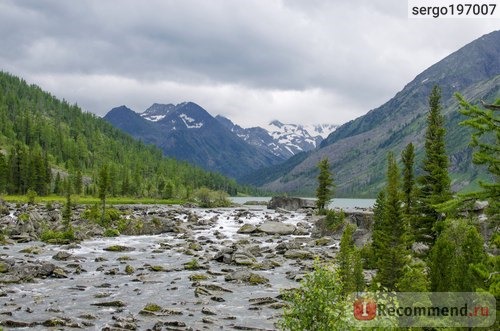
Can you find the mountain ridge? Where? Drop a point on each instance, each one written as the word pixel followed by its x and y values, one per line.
pixel 357 149
pixel 188 132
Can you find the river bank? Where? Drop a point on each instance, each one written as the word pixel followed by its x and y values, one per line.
pixel 204 269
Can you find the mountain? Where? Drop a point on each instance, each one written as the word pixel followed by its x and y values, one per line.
pixel 188 132
pixel 45 141
pixel 357 150
pixel 282 140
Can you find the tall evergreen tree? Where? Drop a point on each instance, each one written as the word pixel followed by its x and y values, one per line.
pixel 4 174
pixel 349 262
pixel 391 235
pixel 324 192
pixel 486 140
pixel 103 183
pixel 434 184
pixel 378 225
pixel 408 185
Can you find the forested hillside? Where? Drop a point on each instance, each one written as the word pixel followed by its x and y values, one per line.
pixel 45 141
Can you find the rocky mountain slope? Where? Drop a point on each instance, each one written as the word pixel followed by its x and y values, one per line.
pixel 188 132
pixel 357 150
pixel 283 140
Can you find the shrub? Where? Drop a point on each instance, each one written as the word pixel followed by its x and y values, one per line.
pixel 334 220
pixel 318 303
pixel 207 198
pixel 58 237
pixel 31 195
pixel 110 232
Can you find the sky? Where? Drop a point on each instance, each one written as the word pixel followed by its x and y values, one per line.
pixel 253 61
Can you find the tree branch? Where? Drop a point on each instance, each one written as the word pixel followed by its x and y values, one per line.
pixel 492 107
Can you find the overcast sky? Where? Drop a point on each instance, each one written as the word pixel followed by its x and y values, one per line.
pixel 299 61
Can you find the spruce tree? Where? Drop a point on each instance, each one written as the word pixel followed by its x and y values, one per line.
pixel 378 219
pixel 434 184
pixel 4 175
pixel 103 188
pixel 391 232
pixel 486 140
pixel 408 185
pixel 349 262
pixel 324 192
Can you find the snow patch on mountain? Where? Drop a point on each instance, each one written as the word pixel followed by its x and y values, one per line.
pixel 190 122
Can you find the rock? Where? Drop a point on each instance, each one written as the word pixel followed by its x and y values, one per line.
pixel 262 301
pixel 323 241
pixel 246 277
pixel 298 254
pixel 480 205
pixel 118 248
pixel 247 228
pixel 272 227
pixel 4 267
pixel 116 303
pixel 46 269
pixel 59 273
pixel 208 311
pixel 61 256
pixel 419 248
pixel 290 203
pixel 242 257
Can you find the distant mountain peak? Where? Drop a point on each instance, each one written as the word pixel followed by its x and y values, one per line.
pixel 282 140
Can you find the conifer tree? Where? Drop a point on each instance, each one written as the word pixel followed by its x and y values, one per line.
pixel 434 184
pixel 324 192
pixel 3 174
pixel 486 140
pixel 378 219
pixel 391 236
pixel 458 248
pixel 103 188
pixel 349 262
pixel 408 185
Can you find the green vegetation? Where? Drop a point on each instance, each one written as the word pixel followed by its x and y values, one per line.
pixel 207 198
pixel 192 265
pixel 434 184
pixel 349 263
pixel 450 254
pixel 45 142
pixel 324 192
pixel 390 230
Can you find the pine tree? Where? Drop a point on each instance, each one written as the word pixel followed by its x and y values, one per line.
pixel 324 192
pixel 486 140
pixel 434 184
pixel 390 239
pixel 103 188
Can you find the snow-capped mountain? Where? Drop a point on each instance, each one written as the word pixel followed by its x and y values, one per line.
pixel 188 132
pixel 283 140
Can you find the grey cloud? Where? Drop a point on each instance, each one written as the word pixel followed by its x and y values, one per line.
pixel 357 53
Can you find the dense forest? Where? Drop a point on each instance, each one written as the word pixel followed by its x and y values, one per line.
pixel 46 143
pixel 426 241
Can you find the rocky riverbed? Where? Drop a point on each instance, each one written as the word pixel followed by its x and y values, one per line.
pixel 190 269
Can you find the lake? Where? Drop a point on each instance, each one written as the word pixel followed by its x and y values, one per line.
pixel 335 203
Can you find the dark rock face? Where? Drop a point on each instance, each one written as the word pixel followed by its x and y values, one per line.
pixel 289 203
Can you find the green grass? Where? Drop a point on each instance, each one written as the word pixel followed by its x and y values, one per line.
pixel 88 200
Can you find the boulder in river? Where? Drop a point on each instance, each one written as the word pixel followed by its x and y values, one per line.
pixel 290 203
pixel 272 227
